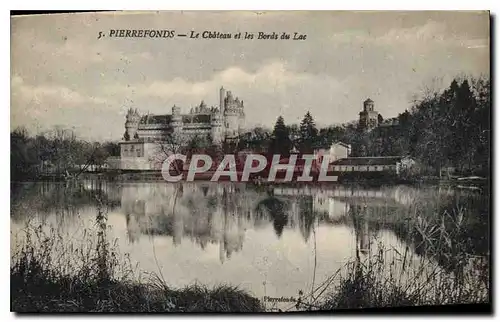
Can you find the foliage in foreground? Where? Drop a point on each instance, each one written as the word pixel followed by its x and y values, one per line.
pixel 49 275
pixel 40 291
pixel 445 272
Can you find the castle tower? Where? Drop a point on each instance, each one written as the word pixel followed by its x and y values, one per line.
pixel 368 118
pixel 176 119
pixel 216 126
pixel 231 116
pixel 132 123
pixel 241 118
pixel 222 96
pixel 368 105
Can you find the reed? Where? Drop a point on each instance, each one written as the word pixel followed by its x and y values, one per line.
pixel 49 275
pixel 445 271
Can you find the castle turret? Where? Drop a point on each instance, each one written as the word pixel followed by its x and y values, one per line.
pixel 222 96
pixel 176 119
pixel 132 124
pixel 203 107
pixel 241 118
pixel 216 121
pixel 231 115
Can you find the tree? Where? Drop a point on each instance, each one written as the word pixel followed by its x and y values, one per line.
pixel 482 120
pixel 255 140
pixel 380 119
pixel 23 158
pixel 99 155
pixel 331 134
pixel 196 143
pixel 64 149
pixel 112 149
pixel 308 134
pixel 448 128
pixel 280 142
pixel 170 145
pixel 294 134
pixel 58 151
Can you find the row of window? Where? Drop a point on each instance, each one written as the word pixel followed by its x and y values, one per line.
pixel 131 152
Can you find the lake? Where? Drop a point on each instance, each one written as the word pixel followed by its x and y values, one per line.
pixel 272 241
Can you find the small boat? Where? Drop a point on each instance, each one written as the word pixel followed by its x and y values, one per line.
pixel 471 178
pixel 471 182
pixel 468 187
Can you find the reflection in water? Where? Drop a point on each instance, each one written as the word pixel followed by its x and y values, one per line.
pixel 276 209
pixel 210 213
pixel 358 215
pixel 63 200
pixel 234 233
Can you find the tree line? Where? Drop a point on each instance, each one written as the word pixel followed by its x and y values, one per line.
pixel 58 152
pixel 449 128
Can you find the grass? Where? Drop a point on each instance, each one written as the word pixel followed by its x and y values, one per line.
pixel 445 270
pixel 367 284
pixel 41 291
pixel 50 275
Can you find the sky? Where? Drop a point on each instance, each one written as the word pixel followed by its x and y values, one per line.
pixel 63 75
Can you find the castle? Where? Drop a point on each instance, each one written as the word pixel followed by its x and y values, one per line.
pixel 146 134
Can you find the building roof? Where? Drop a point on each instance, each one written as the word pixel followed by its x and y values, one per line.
pixel 329 145
pixel 343 144
pixel 368 161
pixel 167 118
pixel 156 119
pixel 319 146
pixel 369 100
pixel 196 118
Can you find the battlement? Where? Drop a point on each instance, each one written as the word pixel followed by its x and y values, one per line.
pixel 231 103
pixel 204 109
pixel 133 116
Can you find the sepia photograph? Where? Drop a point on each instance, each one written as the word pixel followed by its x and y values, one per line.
pixel 250 161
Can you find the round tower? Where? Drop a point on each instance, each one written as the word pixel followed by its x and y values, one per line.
pixel 176 119
pixel 216 125
pixel 231 116
pixel 132 123
pixel 241 118
pixel 222 96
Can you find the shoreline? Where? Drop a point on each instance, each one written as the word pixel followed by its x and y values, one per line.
pixel 156 176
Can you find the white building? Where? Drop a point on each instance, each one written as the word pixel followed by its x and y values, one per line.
pixel 336 151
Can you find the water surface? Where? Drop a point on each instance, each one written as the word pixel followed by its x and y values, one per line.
pixel 270 241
